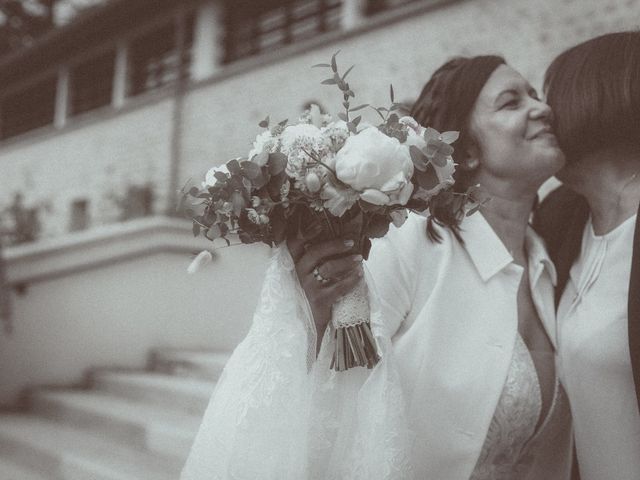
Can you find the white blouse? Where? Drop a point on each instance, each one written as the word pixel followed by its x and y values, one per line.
pixel 594 362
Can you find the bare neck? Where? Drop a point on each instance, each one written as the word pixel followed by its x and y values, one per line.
pixel 610 182
pixel 509 215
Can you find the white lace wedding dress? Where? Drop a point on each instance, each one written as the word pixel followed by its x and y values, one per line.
pixel 279 413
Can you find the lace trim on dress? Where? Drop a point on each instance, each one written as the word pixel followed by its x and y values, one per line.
pixel 514 421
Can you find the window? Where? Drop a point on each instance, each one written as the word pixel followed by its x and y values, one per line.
pixel 137 202
pixel 377 6
pixel 29 108
pixel 79 215
pixel 154 57
pixel 255 27
pixel 91 83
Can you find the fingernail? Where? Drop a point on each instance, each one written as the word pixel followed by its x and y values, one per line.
pixel 349 243
pixel 357 258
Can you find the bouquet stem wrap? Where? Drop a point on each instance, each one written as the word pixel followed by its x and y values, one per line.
pixel 354 342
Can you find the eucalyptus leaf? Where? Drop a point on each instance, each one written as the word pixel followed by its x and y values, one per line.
pixel 213 232
pixel 320 65
pixel 347 72
pixel 234 167
pixel 334 65
pixel 221 177
pixel 359 107
pixel 418 157
pixel 250 169
pixel 449 137
pixel 277 163
pixel 427 179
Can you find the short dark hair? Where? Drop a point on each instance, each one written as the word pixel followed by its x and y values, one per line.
pixel 594 92
pixel 446 103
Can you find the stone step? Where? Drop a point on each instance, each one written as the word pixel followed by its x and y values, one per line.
pixel 190 395
pixel 59 452
pixel 12 471
pixel 202 364
pixel 160 430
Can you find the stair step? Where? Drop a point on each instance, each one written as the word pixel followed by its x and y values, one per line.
pixel 203 364
pixel 58 451
pixel 190 395
pixel 163 431
pixel 12 471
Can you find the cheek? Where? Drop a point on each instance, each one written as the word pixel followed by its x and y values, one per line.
pixel 502 139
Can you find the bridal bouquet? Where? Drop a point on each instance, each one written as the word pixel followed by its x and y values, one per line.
pixel 352 178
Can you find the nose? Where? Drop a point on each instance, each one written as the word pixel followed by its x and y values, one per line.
pixel 540 110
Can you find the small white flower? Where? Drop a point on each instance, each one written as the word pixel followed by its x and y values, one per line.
pixel 264 142
pixel 253 216
pixel 202 259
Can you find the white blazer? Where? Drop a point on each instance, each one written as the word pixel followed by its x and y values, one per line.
pixel 451 311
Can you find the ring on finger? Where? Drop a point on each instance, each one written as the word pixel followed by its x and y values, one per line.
pixel 316 274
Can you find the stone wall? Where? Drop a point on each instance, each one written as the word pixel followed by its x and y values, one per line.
pixel 99 155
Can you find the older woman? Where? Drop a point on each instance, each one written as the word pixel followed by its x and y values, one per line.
pixel 470 311
pixel 593 235
pixel 463 314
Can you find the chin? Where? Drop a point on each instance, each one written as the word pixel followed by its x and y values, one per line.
pixel 553 161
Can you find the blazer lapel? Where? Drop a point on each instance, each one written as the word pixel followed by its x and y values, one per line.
pixel 634 309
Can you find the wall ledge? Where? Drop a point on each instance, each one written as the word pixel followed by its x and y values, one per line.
pixel 101 246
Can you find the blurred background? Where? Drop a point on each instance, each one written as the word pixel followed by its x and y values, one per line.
pixel 108 349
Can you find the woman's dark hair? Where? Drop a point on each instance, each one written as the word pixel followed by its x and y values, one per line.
pixel 594 92
pixel 446 103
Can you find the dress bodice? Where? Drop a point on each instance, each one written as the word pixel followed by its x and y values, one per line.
pixel 504 454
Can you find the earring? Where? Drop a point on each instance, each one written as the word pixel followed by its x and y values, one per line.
pixel 471 163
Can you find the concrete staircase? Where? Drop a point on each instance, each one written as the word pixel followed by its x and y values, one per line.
pixel 128 425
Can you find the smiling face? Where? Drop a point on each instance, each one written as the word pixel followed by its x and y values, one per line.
pixel 515 148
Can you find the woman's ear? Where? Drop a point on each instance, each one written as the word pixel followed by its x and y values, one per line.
pixel 471 160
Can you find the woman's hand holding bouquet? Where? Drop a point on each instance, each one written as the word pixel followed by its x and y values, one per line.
pixel 327 187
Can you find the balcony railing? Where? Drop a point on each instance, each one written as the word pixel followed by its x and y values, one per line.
pixel 255 27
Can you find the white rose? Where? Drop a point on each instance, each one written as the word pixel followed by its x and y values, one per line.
pixel 373 161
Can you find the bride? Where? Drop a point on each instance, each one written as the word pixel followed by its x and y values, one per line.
pixel 463 317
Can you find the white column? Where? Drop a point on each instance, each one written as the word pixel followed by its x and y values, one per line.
pixel 62 97
pixel 207 48
pixel 120 72
pixel 353 13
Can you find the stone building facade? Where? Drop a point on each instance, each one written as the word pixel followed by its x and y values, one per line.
pixel 108 117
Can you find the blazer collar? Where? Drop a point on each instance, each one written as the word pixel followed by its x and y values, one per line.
pixel 490 256
pixel 487 252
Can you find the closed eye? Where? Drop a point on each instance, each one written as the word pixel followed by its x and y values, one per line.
pixel 512 103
